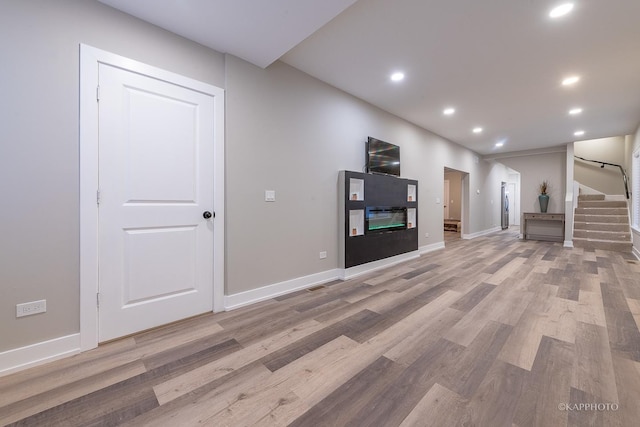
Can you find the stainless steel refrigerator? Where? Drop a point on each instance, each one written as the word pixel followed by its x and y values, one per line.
pixel 504 208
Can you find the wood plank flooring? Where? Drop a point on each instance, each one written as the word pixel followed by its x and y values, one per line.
pixel 495 331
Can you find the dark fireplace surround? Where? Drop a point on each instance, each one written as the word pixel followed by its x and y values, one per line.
pixel 388 230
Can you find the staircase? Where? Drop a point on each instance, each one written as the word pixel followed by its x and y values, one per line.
pixel 601 224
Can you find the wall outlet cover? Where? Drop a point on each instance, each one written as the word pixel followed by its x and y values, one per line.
pixel 29 308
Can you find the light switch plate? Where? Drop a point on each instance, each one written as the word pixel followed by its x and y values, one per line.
pixel 269 196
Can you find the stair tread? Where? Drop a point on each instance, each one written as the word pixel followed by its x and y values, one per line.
pixel 602 223
pixel 608 220
pixel 595 225
pixel 622 239
pixel 603 209
pixel 603 240
pixel 613 228
pixel 593 230
pixel 603 203
pixel 601 215
pixel 591 222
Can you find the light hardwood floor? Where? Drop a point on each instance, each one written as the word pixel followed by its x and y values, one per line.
pixel 489 332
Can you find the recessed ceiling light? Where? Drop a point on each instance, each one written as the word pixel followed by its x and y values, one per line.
pixel 449 111
pixel 570 80
pixel 575 111
pixel 499 144
pixel 578 133
pixel 477 130
pixel 396 77
pixel 561 10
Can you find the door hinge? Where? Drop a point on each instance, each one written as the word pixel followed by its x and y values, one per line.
pixel 98 93
pixel 98 299
pixel 98 197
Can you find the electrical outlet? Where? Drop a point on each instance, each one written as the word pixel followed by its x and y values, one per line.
pixel 323 254
pixel 29 308
pixel 426 235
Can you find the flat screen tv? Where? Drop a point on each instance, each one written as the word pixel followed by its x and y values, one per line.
pixel 382 157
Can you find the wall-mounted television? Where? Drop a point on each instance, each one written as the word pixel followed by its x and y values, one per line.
pixel 382 157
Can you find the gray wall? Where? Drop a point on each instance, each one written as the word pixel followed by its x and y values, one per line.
pixel 534 168
pixel 39 178
pixel 607 180
pixel 291 133
pixel 286 131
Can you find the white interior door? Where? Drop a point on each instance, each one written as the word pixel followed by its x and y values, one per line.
pixel 446 199
pixel 156 180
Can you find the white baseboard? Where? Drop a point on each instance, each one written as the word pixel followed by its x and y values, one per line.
pixel 430 248
pixel 635 252
pixel 351 272
pixel 568 243
pixel 242 299
pixel 263 293
pixel 481 233
pixel 38 354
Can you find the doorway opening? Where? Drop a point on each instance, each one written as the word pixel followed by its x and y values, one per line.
pixel 454 215
pixel 510 214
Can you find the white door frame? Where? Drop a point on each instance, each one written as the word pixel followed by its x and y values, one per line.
pixel 90 57
pixel 514 208
pixel 447 200
pixel 464 204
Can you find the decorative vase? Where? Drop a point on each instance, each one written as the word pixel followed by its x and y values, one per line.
pixel 544 202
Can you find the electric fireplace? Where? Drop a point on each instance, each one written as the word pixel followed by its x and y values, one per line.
pixel 385 218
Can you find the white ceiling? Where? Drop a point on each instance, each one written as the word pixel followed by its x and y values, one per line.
pixel 498 62
pixel 258 31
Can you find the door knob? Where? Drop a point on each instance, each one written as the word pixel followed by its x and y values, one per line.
pixel 207 215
